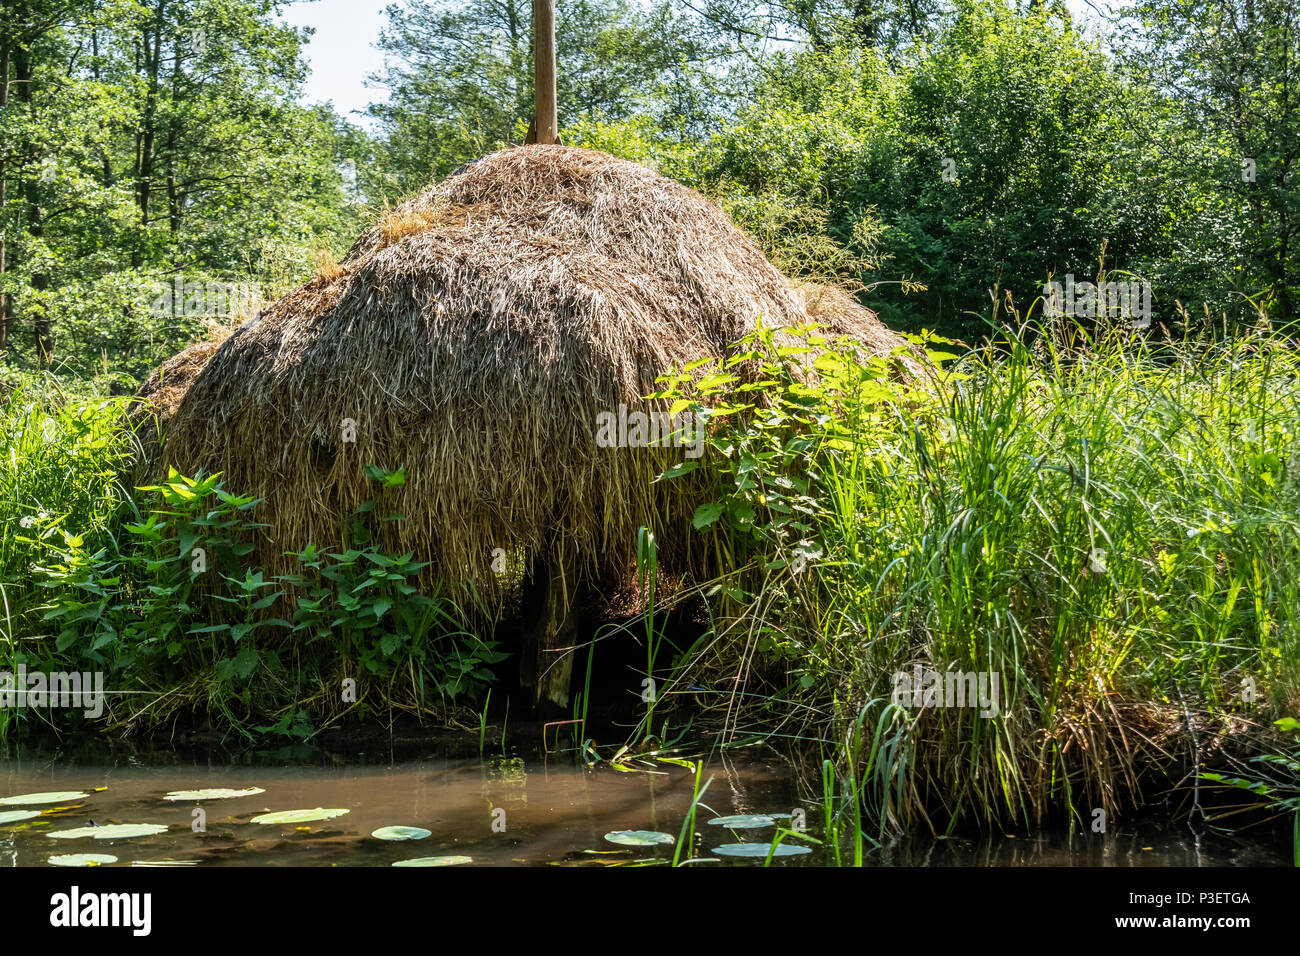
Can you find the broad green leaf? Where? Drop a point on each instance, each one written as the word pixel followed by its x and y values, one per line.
pixel 684 468
pixel 705 515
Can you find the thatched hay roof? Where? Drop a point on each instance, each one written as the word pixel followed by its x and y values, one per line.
pixel 472 335
pixel 162 392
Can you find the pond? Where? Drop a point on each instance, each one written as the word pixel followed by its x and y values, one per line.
pixel 521 807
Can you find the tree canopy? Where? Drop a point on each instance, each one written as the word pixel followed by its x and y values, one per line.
pixel 928 153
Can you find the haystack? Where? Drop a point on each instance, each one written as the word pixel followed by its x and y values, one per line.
pixel 471 337
pixel 161 393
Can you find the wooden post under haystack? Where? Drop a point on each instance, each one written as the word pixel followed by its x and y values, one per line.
pixel 551 612
pixel 551 584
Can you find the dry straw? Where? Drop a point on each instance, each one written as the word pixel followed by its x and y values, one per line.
pixel 473 335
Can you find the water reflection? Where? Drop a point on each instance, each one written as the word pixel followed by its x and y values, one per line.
pixel 518 808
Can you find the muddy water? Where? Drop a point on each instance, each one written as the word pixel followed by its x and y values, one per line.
pixel 511 809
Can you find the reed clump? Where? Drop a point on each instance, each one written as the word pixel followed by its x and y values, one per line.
pixel 1105 525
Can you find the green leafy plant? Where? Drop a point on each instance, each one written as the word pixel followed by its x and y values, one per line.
pixel 1278 782
pixel 171 598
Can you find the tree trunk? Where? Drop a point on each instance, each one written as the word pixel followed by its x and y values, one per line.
pixel 145 137
pixel 864 22
pixel 1280 261
pixel 94 49
pixel 40 280
pixel 520 51
pixel 4 184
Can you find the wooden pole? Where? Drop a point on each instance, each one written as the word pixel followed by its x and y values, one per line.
pixel 547 119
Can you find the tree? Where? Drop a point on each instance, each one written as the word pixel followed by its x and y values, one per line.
pixel 1233 69
pixel 884 25
pixel 460 75
pixel 147 138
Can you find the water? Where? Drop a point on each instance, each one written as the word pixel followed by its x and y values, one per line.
pixel 515 809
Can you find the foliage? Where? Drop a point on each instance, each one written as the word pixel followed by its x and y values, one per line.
pixel 170 601
pixel 460 77
pixel 1276 780
pixel 1098 521
pixel 142 143
pixel 60 461
pixel 1231 67
pixel 935 153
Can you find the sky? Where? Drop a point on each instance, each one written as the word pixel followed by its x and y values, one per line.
pixel 343 52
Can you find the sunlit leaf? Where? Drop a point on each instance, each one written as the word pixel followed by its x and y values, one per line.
pixel 82 859
pixel 744 821
pixel 52 796
pixel 164 862
pixel 14 816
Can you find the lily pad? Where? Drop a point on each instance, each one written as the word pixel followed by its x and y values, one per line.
pixel 52 796
pixel 214 794
pixel 745 821
pixel 13 816
pixel 82 859
pixel 297 816
pixel 113 831
pixel 760 850
pixel 435 861
pixel 639 837
pixel 164 862
pixel 400 833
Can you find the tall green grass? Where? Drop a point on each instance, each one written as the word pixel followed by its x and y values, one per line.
pixel 60 457
pixel 60 461
pixel 1111 526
